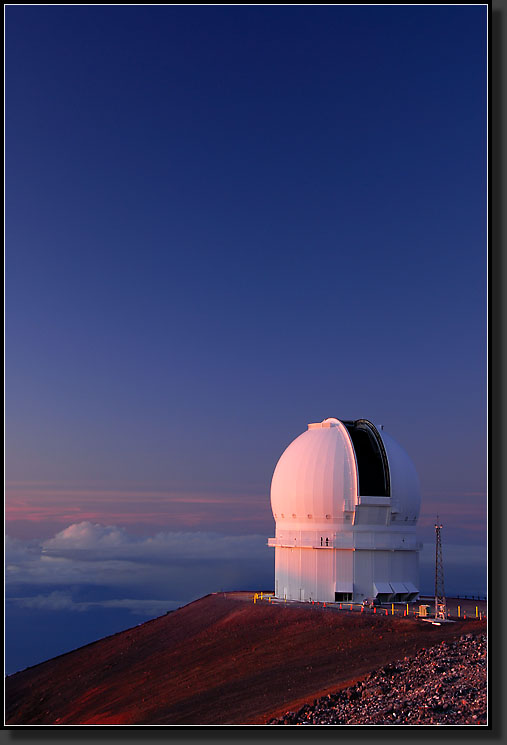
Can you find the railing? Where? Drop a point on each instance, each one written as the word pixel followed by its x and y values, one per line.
pixel 349 541
pixel 295 542
pixel 399 608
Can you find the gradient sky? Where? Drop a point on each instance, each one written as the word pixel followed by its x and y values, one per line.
pixel 224 223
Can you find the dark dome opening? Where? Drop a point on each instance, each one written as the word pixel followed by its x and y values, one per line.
pixel 373 470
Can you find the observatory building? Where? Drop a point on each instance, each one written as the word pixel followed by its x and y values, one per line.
pixel 345 498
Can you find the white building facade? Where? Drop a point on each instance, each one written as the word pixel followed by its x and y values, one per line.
pixel 345 497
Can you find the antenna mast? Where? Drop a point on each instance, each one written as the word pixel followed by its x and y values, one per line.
pixel 440 605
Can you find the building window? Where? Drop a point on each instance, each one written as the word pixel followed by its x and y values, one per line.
pixel 343 597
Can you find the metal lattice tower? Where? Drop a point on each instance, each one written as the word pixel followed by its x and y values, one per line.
pixel 440 605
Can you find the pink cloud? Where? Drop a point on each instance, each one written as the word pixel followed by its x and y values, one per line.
pixel 45 504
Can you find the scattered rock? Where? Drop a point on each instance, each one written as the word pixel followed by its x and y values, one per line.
pixel 445 684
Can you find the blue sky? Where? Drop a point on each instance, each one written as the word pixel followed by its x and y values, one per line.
pixel 224 223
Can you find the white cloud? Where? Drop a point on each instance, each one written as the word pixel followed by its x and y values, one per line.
pixel 56 600
pixel 17 550
pixel 91 554
pixel 86 535
pixel 92 542
pixel 60 600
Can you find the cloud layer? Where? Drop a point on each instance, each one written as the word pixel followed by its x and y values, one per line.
pixel 94 542
pixel 59 600
pixel 151 574
pixel 165 568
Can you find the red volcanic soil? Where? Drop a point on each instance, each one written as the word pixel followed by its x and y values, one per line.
pixel 219 660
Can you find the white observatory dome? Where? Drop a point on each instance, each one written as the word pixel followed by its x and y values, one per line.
pixel 345 498
pixel 328 469
pixel 315 476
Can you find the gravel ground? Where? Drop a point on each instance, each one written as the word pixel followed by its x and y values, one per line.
pixel 445 684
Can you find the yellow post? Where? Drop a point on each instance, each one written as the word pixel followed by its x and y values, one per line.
pixel 476 612
pixel 261 595
pixel 407 609
pixel 392 609
pixel 459 611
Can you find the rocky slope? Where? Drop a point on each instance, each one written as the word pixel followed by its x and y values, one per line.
pixel 445 684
